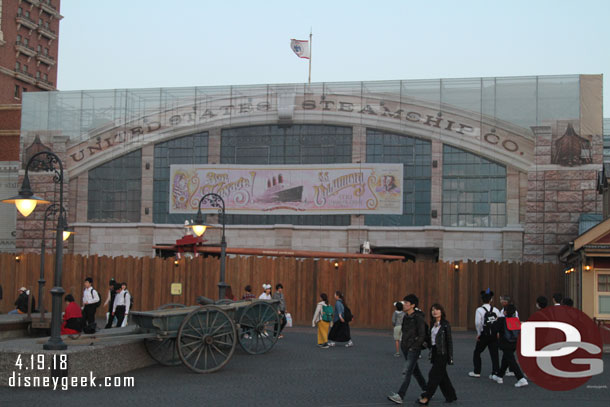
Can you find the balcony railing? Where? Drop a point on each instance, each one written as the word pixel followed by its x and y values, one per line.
pixel 25 76
pixel 47 32
pixel 49 8
pixel 25 49
pixel 32 2
pixel 47 59
pixel 27 22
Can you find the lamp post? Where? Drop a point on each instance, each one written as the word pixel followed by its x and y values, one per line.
pixel 50 211
pixel 26 203
pixel 215 201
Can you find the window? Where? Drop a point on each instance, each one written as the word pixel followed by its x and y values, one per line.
pixel 19 11
pixel 26 41
pixel 17 66
pixel 603 293
pixel 27 14
pixel 16 91
pixel 40 21
pixel 115 190
pixel 25 68
pixel 298 144
pixel 191 149
pixel 45 76
pixel 46 51
pixel 474 190
pixel 416 156
pixel 37 74
pixel 18 38
pixel 39 48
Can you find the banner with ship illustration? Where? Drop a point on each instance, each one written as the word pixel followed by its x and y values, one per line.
pixel 323 189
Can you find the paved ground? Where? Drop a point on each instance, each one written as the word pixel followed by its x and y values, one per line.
pixel 297 373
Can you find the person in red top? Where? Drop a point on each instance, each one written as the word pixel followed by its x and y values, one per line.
pixel 73 317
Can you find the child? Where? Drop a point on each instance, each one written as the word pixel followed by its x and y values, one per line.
pixel 397 317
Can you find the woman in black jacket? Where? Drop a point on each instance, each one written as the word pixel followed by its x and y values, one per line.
pixel 441 355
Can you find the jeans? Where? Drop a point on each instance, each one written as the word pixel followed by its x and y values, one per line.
pixel 15 311
pixel 411 368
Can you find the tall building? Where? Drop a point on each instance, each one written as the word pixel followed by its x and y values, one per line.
pixel 29 33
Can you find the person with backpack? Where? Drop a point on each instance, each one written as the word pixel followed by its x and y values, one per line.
pixel 113 287
pixel 413 337
pixel 323 316
pixel 279 295
pixel 484 320
pixel 441 355
pixel 397 317
pixel 343 316
pixel 91 300
pixel 508 328
pixel 122 303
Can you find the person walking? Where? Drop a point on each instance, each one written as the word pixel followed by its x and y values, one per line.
pixel 508 328
pixel 541 302
pixel 484 320
pixel 122 303
pixel 112 289
pixel 248 293
pixel 397 317
pixel 91 300
pixel 340 331
pixel 323 316
pixel 441 355
pixel 413 337
pixel 279 295
pixel 266 295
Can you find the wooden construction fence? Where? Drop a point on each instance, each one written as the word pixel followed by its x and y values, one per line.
pixel 370 286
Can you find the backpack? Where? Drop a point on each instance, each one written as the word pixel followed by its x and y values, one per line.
pixel 513 328
pixel 347 314
pixel 489 319
pixel 327 313
pixel 99 302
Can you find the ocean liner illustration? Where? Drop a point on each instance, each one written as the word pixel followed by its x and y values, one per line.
pixel 278 191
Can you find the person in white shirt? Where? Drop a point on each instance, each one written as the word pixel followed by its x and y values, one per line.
pixel 486 336
pixel 266 295
pixel 91 300
pixel 122 302
pixel 504 301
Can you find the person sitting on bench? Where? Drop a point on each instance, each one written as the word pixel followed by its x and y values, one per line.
pixel 73 318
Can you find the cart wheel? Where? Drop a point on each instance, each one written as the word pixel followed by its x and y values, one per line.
pixel 206 339
pixel 171 305
pixel 259 327
pixel 163 351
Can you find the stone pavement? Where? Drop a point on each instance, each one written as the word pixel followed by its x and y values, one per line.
pixel 296 373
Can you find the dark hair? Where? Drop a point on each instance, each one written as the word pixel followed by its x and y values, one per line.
pixel 542 301
pixel 248 288
pixel 340 295
pixel 278 286
pixel 324 298
pixel 69 298
pixel 399 306
pixel 89 279
pixel 558 297
pixel 567 301
pixel 510 310
pixel 112 282
pixel 486 296
pixel 441 309
pixel 123 284
pixel 412 298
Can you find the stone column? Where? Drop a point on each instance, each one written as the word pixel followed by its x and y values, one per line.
pixel 436 187
pixel 146 202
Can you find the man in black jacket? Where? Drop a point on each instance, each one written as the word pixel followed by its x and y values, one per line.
pixel 413 336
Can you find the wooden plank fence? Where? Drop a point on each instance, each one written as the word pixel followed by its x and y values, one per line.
pixel 370 286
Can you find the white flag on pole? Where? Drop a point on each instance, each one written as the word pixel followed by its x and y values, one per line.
pixel 301 48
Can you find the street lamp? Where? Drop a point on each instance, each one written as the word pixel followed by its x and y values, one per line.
pixel 215 201
pixel 26 203
pixel 50 211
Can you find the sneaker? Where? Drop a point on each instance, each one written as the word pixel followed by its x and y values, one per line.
pixel 330 343
pixel 521 383
pixel 349 344
pixel 395 398
pixel 509 373
pixel 397 355
pixel 473 374
pixel 324 346
pixel 497 379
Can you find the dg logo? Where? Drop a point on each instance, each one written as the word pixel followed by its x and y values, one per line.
pixel 560 348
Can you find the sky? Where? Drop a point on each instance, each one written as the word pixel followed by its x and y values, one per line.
pixel 158 43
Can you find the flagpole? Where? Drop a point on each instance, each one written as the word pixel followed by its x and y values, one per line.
pixel 310 54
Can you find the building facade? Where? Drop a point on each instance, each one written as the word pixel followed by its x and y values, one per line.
pixel 29 31
pixel 492 168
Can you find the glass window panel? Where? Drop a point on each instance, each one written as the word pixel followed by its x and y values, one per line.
pixel 604 304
